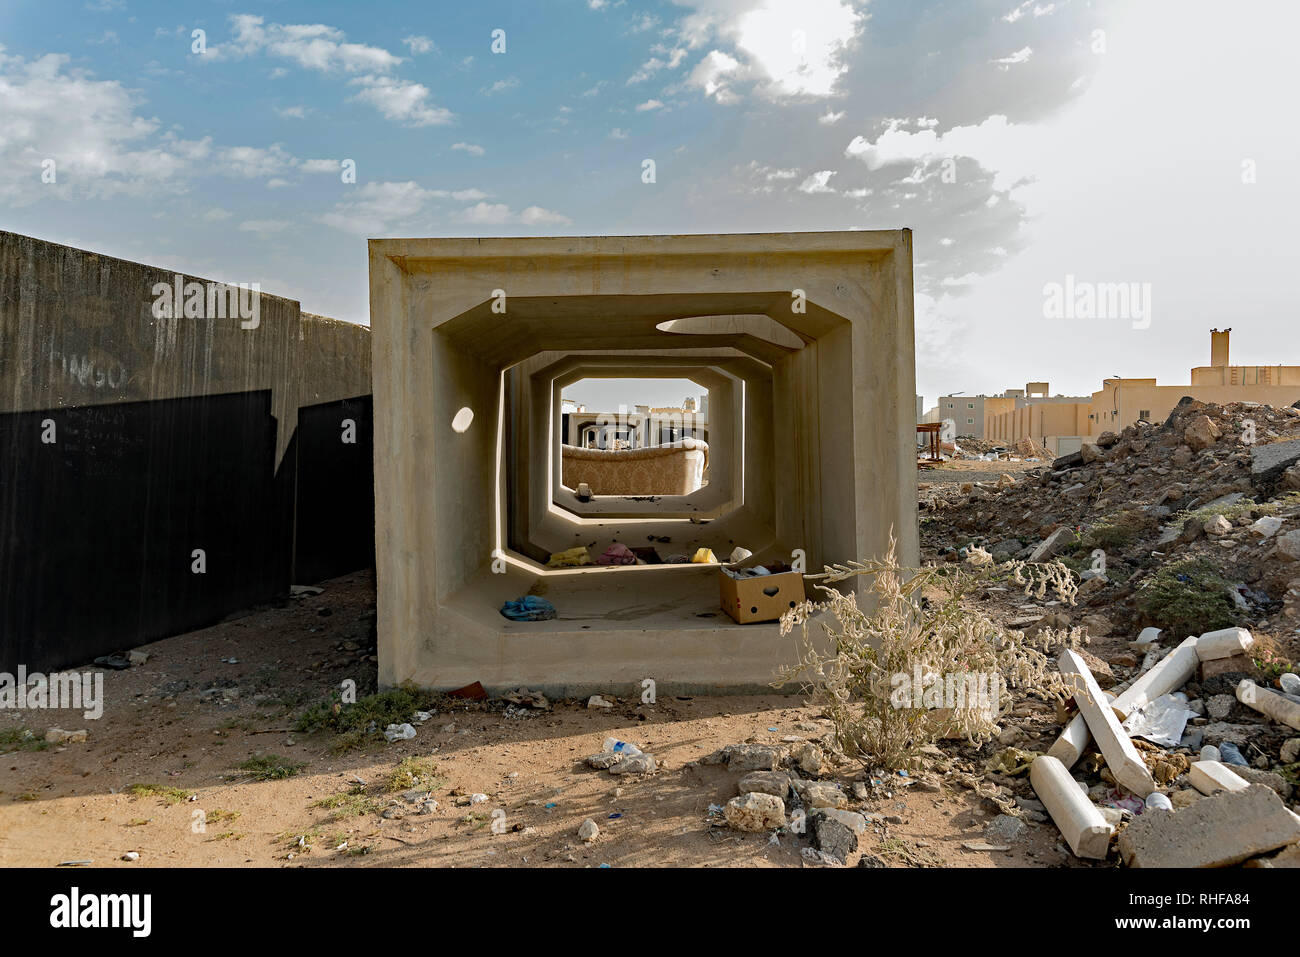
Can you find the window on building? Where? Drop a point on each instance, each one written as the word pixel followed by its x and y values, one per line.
pixel 1145 415
pixel 970 405
pixel 950 405
pixel 970 421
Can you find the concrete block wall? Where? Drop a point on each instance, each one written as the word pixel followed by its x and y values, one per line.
pixel 129 440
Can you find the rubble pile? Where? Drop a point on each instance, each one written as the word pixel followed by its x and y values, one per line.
pixel 1170 775
pixel 1209 499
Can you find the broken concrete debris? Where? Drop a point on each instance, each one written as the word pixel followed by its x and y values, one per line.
pixel 1276 706
pixel 1224 643
pixel 1217 831
pixel 1121 756
pixel 1077 818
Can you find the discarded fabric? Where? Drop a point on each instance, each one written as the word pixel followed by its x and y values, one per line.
pixel 528 608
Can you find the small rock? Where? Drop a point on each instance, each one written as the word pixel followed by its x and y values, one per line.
pixel 1219 706
pixel 833 838
pixel 765 782
pixel 588 831
pixel 755 812
pixel 1005 829
pixel 596 701
pixel 810 759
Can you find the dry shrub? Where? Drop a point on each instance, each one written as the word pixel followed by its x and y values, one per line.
pixel 919 622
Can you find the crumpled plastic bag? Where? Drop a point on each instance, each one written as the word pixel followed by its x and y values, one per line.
pixel 1160 721
pixel 528 608
pixel 399 732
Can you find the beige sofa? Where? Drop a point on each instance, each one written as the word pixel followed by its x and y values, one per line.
pixel 675 469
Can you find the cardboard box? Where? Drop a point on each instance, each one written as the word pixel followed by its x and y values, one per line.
pixel 763 598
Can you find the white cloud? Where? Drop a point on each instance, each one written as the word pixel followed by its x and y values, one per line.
pixel 1038 9
pixel 1020 56
pixel 293 112
pixel 401 101
pixel 89 129
pixel 252 162
pixel 473 149
pixel 419 44
pixel 320 166
pixel 313 46
pixel 817 182
pixel 995 144
pixel 618 134
pixel 499 214
pixel 378 207
pixel 830 118
pixel 500 86
pixel 649 105
pixel 790 48
pixel 712 75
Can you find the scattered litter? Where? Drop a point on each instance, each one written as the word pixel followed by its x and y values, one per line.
pixel 399 732
pixel 617 554
pixel 1160 721
pixel 529 608
pixel 569 558
pixel 596 701
pixel 1229 754
pixel 474 692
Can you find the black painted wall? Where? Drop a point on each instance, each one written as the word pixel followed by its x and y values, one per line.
pixel 98 526
pixel 335 500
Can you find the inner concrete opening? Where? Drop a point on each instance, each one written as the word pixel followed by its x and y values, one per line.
pixel 803 345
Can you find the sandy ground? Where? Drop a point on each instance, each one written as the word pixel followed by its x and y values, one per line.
pixel 971 470
pixel 189 716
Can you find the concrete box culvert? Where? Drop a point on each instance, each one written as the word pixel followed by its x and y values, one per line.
pixel 451 317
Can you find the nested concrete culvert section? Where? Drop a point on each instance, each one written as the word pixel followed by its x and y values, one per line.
pixel 805 343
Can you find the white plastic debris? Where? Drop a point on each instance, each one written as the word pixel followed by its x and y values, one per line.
pixel 399 732
pixel 1161 721
pixel 1160 801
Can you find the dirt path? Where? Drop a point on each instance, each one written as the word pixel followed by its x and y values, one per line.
pixel 208 701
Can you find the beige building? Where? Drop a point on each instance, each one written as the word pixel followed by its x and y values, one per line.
pixel 1123 401
pixel 971 415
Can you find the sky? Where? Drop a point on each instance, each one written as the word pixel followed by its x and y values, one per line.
pixel 1032 148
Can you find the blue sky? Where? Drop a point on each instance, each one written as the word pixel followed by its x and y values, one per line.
pixel 1023 142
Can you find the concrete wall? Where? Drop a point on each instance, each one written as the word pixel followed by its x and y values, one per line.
pixel 159 435
pixel 828 443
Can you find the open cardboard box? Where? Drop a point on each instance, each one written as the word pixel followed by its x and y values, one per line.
pixel 762 598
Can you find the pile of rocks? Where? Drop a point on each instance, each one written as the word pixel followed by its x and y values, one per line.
pixel 1212 484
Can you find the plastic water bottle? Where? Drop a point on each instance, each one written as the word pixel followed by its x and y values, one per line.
pixel 1230 754
pixel 1210 753
pixel 621 747
pixel 1290 683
